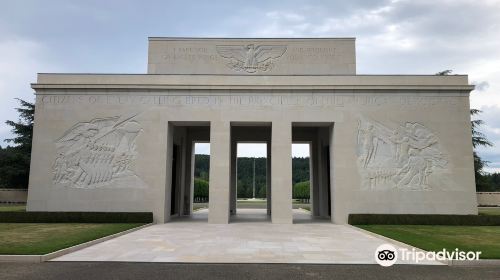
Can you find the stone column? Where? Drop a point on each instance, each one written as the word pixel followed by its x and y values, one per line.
pixel 182 176
pixel 315 174
pixel 333 164
pixel 163 202
pixel 220 172
pixel 233 192
pixel 189 178
pixel 268 177
pixel 324 144
pixel 281 178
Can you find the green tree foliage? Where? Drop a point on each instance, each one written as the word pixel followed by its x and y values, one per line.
pixel 300 169
pixel 301 190
pixel 201 166
pixel 479 139
pixel 15 160
pixel 490 182
pixel 484 181
pixel 14 168
pixel 200 190
pixel 245 178
pixel 245 170
pixel 444 73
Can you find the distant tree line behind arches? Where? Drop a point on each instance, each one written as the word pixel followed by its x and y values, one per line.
pixel 245 176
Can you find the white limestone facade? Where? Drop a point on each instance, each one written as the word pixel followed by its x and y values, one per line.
pixel 379 143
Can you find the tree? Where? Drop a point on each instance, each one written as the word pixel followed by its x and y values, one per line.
pixel 23 128
pixel 301 190
pixel 15 160
pixel 444 73
pixel 478 140
pixel 201 189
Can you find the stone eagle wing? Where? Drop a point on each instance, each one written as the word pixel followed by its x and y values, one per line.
pixel 235 52
pixel 265 52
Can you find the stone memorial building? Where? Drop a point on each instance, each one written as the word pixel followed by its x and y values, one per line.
pixel 378 143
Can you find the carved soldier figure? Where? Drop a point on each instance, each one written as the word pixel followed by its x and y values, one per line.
pixel 414 170
pixel 369 144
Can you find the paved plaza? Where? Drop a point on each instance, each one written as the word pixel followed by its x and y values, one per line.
pixel 249 238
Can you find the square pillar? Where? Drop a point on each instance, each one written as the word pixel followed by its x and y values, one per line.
pixel 281 178
pixel 220 172
pixel 161 211
pixel 188 179
pixel 333 164
pixel 314 175
pixel 268 177
pixel 233 193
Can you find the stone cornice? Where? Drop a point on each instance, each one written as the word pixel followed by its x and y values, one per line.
pixel 254 82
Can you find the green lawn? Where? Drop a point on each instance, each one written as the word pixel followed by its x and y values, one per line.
pixel 12 208
pixel 489 210
pixel 434 238
pixel 40 238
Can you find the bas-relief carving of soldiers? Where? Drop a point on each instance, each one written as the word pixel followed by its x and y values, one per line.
pixel 73 152
pixel 95 152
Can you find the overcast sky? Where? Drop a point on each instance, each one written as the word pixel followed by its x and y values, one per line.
pixel 393 37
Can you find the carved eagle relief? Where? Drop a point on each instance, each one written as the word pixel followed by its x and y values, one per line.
pixel 251 58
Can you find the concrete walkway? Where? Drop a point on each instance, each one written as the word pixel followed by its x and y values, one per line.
pixel 246 240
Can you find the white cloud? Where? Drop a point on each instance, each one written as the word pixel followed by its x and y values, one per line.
pixel 491 128
pixel 254 149
pixel 393 37
pixel 21 60
pixel 202 148
pixel 300 150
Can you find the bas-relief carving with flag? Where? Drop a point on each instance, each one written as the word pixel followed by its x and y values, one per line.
pixel 405 157
pixel 97 153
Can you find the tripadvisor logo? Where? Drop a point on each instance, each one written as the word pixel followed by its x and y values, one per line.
pixel 387 255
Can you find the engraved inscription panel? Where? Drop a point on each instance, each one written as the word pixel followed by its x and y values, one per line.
pixel 400 158
pixel 333 56
pixel 95 153
pixel 310 100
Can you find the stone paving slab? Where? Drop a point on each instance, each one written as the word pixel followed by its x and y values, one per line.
pixel 251 242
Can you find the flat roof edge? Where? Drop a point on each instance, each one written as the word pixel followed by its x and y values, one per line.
pixel 161 81
pixel 251 75
pixel 247 38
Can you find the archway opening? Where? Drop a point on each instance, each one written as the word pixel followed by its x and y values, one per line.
pixel 250 166
pixel 311 175
pixel 188 155
pixel 201 179
pixel 251 181
pixel 301 180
